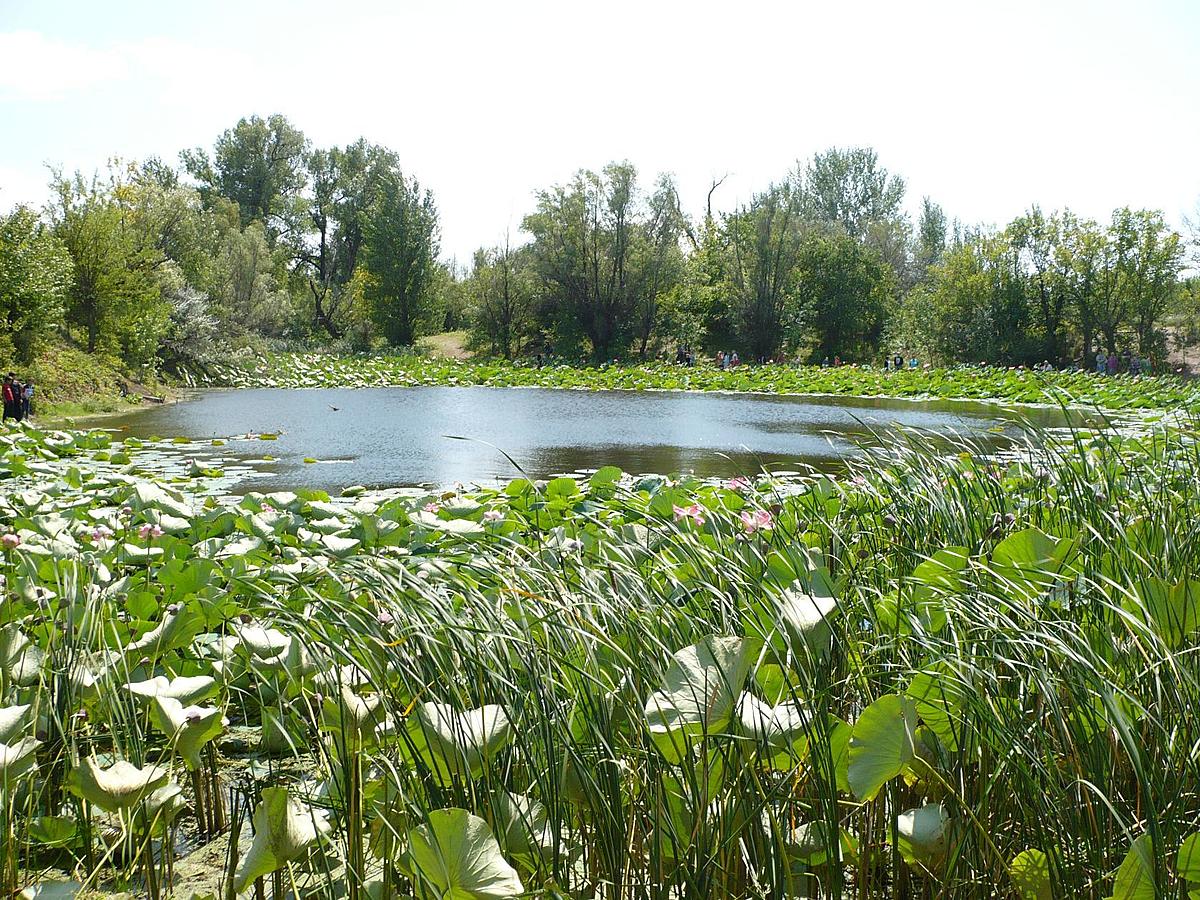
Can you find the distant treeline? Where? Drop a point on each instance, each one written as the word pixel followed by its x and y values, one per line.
pixel 267 236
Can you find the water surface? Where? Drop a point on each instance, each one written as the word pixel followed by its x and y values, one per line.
pixel 384 437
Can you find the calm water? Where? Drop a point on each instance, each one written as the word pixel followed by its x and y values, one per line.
pixel 404 436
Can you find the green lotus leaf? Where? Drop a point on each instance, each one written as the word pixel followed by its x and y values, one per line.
pixel 1135 878
pixel 187 689
pixel 700 688
pixel 187 728
pixel 779 732
pixel 1187 861
pixel 285 830
pixel 921 835
pixel 882 744
pixel 457 856
pixel 176 630
pixel 18 760
pixel 120 786
pixel 453 743
pixel 1030 874
pixel 524 828
pixel 354 717
pixel 15 721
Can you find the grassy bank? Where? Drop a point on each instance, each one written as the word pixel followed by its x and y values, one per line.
pixel 71 383
pixel 941 676
pixel 965 382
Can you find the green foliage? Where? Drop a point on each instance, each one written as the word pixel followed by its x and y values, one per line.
pixel 35 272
pixel 469 705
pixel 400 250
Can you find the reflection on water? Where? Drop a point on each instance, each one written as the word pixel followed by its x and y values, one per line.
pixel 402 436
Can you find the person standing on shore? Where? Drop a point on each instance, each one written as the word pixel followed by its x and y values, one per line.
pixel 27 400
pixel 9 398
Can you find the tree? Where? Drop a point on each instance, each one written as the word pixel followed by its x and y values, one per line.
pixel 259 165
pixel 400 249
pixel 113 296
pixel 657 260
pixel 345 184
pixel 1036 241
pixel 502 293
pixel 845 291
pixel 1149 264
pixel 606 256
pixel 1079 252
pixel 243 281
pixel 35 271
pixel 764 242
pixel 932 233
pixel 976 304
pixel 847 186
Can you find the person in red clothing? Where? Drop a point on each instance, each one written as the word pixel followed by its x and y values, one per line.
pixel 10 398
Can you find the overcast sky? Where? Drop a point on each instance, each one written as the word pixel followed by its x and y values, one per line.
pixel 986 107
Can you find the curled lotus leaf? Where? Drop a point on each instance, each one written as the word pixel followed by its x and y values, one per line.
pixel 18 760
pixel 176 630
pixel 14 722
pixel 284 831
pixel 187 728
pixel 187 689
pixel 263 643
pixel 780 732
pixel 699 691
pixel 353 715
pixel 450 742
pixel 20 659
pixel 120 786
pixel 921 834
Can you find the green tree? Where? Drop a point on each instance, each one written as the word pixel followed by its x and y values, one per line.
pixel 1037 241
pixel 503 291
pixel 603 254
pixel 35 272
pixel 1149 262
pixel 259 165
pixel 114 296
pixel 847 186
pixel 764 241
pixel 845 291
pixel 932 235
pixel 345 184
pixel 399 250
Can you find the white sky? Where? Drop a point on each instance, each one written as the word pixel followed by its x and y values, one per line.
pixel 985 106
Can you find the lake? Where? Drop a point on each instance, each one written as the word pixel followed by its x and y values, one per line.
pixel 393 436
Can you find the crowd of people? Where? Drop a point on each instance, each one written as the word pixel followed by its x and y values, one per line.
pixel 18 397
pixel 1129 363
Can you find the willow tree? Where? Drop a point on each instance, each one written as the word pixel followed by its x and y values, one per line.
pixel 764 240
pixel 604 253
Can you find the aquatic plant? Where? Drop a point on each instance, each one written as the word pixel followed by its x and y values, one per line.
pixel 944 674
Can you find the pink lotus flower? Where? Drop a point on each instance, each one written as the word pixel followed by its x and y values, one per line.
pixel 741 483
pixel 268 508
pixel 758 520
pixel 11 541
pixel 695 512
pixel 434 508
pixel 493 515
pixel 149 532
